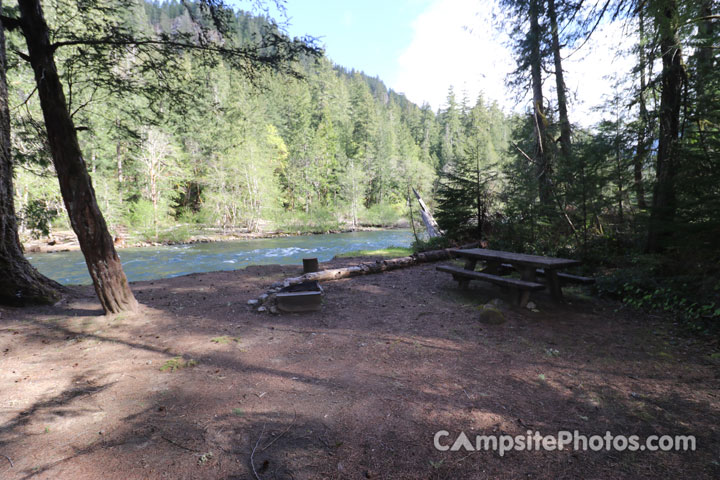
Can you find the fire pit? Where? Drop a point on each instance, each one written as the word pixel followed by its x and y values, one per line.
pixel 303 297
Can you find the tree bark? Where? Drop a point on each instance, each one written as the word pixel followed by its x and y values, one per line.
pixel 664 203
pixel 565 129
pixel 542 157
pixel 480 205
pixel 705 103
pixel 20 283
pixel 704 54
pixel 87 221
pixel 641 151
pixel 619 167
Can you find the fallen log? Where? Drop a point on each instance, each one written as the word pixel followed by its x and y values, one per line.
pixel 266 301
pixel 360 269
pixel 366 268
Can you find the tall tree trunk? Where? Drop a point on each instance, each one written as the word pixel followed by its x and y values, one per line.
pixel 619 167
pixel 542 156
pixel 565 130
pixel 20 283
pixel 704 53
pixel 118 157
pixel 705 104
pixel 87 221
pixel 641 151
pixel 664 203
pixel 480 203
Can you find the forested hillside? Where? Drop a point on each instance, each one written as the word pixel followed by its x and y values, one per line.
pixel 333 149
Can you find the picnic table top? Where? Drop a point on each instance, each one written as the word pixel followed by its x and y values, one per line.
pixel 537 261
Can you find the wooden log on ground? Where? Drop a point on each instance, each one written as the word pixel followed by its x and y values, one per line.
pixel 266 302
pixel 366 268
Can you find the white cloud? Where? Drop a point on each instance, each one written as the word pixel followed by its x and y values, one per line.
pixel 592 71
pixel 455 43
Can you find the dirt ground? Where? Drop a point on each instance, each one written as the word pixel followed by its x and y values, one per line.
pixel 355 391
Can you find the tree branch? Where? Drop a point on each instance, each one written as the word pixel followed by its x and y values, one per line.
pixel 11 24
pixel 135 43
pixel 20 54
pixel 26 99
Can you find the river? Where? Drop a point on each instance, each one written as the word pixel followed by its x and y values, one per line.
pixel 149 263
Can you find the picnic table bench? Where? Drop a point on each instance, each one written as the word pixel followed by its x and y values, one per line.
pixel 499 264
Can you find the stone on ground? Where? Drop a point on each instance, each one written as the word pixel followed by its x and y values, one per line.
pixel 490 314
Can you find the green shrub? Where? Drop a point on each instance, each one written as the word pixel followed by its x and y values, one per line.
pixel 435 243
pixel 647 284
pixel 381 215
pixel 38 217
pixel 318 220
pixel 388 252
pixel 140 215
pixel 200 217
pixel 178 234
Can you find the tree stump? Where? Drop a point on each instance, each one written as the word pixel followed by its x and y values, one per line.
pixel 310 265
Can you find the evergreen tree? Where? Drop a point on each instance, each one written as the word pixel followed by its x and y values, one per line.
pixel 102 36
pixel 20 283
pixel 468 186
pixel 451 129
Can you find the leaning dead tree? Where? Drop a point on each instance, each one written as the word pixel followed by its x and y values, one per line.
pixel 430 224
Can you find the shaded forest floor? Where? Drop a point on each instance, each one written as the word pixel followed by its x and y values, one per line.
pixel 357 390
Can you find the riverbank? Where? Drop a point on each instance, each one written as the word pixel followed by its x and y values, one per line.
pixel 66 241
pixel 196 385
pixel 163 261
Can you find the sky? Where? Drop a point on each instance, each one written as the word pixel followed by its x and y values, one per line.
pixel 422 47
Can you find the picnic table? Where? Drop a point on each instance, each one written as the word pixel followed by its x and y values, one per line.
pixel 498 264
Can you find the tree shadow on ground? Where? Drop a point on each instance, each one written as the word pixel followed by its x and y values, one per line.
pixel 359 389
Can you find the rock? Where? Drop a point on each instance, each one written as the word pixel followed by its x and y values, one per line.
pixel 497 303
pixel 531 306
pixel 252 302
pixel 262 298
pixel 491 315
pixel 274 310
pixel 261 309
